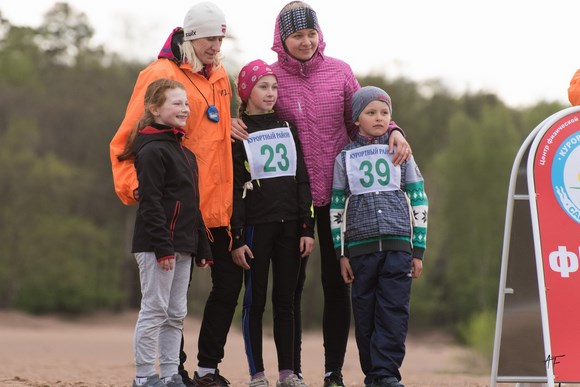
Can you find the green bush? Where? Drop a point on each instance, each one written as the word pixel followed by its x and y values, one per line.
pixel 478 332
pixel 69 269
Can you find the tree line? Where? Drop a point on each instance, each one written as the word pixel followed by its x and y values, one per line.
pixel 65 237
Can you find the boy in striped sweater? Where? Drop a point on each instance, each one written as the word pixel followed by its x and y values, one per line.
pixel 378 216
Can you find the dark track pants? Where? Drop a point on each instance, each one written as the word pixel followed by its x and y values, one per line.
pixel 381 294
pixel 221 303
pixel 336 314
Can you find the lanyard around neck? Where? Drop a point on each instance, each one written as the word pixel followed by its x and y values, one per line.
pixel 212 111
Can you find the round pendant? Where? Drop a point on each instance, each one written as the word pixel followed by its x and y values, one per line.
pixel 213 114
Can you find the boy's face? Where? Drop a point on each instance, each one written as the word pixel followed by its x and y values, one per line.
pixel 374 120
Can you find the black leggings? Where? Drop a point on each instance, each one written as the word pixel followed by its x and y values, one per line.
pixel 220 305
pixel 277 243
pixel 336 315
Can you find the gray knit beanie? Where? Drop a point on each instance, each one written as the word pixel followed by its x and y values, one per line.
pixel 365 95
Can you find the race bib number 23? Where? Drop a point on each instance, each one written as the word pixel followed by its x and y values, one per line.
pixel 271 153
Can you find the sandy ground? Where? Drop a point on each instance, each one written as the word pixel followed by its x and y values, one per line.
pixel 49 351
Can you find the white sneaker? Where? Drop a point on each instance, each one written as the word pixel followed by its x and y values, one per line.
pixel 259 382
pixel 290 381
pixel 302 382
pixel 152 381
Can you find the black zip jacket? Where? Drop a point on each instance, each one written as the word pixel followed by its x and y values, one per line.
pixel 168 218
pixel 272 200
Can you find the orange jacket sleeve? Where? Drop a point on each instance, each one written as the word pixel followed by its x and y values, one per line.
pixel 124 175
pixel 574 89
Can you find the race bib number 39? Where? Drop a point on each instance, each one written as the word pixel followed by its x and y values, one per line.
pixel 369 169
pixel 271 153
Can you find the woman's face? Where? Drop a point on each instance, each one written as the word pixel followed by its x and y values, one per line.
pixel 206 49
pixel 302 44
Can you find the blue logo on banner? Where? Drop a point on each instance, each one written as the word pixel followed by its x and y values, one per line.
pixel 566 176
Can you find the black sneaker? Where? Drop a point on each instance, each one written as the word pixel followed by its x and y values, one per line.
pixel 389 381
pixel 334 380
pixel 186 379
pixel 210 380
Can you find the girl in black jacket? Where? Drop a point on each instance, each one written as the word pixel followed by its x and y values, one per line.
pixel 272 219
pixel 169 231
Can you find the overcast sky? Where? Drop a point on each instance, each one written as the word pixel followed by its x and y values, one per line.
pixel 523 51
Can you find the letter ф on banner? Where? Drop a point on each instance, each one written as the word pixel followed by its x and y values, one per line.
pixel 554 188
pixel 563 262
